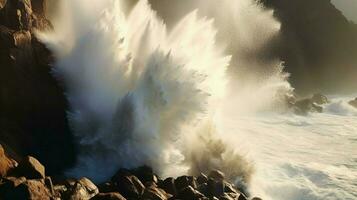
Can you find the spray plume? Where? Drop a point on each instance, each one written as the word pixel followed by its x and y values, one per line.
pixel 141 94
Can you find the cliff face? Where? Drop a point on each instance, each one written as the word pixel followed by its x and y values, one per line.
pixel 319 45
pixel 33 107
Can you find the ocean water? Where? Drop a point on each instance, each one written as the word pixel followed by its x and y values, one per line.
pixel 311 157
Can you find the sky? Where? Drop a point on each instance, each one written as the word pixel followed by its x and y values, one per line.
pixel 348 7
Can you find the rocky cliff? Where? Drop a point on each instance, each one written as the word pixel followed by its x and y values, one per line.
pixel 319 45
pixel 32 104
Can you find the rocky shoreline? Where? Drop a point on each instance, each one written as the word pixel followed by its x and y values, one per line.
pixel 27 180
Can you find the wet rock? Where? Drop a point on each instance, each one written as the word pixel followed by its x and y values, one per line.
pixel 108 196
pixel 216 175
pixel 30 168
pixel 202 178
pixel 203 188
pixel 83 189
pixel 39 6
pixel 128 185
pixel 319 99
pixel 168 185
pixel 215 188
pixel 152 192
pixel 6 164
pixel 185 181
pixel 353 103
pixel 303 107
pixel 145 174
pixel 242 197
pixel 189 193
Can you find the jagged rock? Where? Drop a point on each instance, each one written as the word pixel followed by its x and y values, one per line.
pixel 202 178
pixel 353 103
pixel 6 164
pixel 203 188
pixel 108 196
pixel 215 188
pixel 145 174
pixel 30 123
pixel 107 187
pixel 189 193
pixel 242 197
pixel 319 99
pixel 128 185
pixel 83 189
pixel 302 107
pixel 152 192
pixel 30 168
pixel 168 185
pixel 216 175
pixel 25 189
pixel 185 181
pixel 39 6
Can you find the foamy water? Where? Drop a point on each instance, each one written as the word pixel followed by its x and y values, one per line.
pixel 142 94
pixel 310 157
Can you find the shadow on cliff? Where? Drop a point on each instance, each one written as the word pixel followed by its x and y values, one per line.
pixel 32 103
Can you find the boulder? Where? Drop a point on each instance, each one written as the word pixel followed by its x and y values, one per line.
pixel 145 174
pixel 185 181
pixel 216 175
pixel 215 188
pixel 152 192
pixel 319 99
pixel 39 6
pixel 6 164
pixel 189 193
pixel 202 178
pixel 30 168
pixel 304 106
pixel 168 185
pixel 108 196
pixel 82 189
pixel 127 184
pixel 26 190
pixel 353 103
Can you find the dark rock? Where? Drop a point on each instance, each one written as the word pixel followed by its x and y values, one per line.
pixel 152 192
pixel 318 46
pixel 353 103
pixel 303 107
pixel 27 190
pixel 128 185
pixel 189 193
pixel 202 178
pixel 215 188
pixel 6 164
pixel 39 6
pixel 82 189
pixel 226 197
pixel 185 181
pixel 229 188
pixel 145 174
pixel 242 197
pixel 257 198
pixel 168 185
pixel 203 188
pixel 108 196
pixel 8 184
pixel 107 187
pixel 216 175
pixel 31 124
pixel 30 168
pixel 319 99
